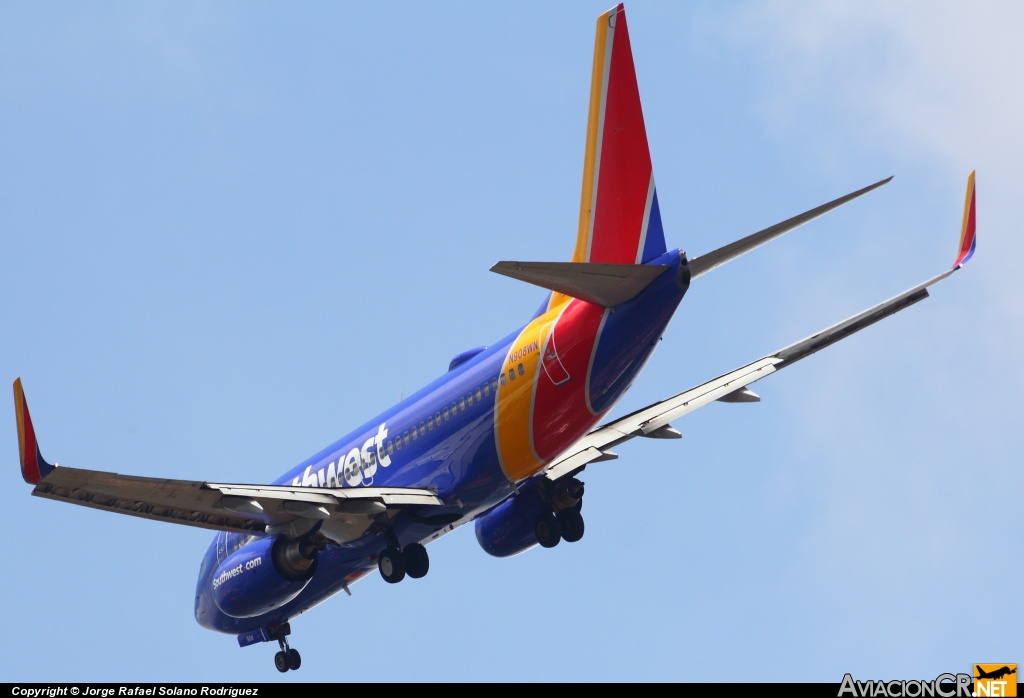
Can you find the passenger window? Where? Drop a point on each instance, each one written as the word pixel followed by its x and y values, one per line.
pixel 455 409
pixel 413 432
pixel 423 428
pixel 469 399
pixel 511 374
pixel 521 370
pixel 430 423
pixel 502 377
pixel 494 384
pixel 479 397
pixel 487 389
pixel 437 418
pixel 446 414
pixel 405 438
pixel 398 443
pixel 462 404
pixel 390 449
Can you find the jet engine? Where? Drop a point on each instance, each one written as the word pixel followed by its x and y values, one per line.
pixel 509 528
pixel 263 575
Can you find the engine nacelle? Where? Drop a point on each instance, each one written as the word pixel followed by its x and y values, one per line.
pixel 263 575
pixel 508 529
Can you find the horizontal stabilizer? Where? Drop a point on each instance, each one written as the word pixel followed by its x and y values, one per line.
pixel 707 262
pixel 606 285
pixel 653 420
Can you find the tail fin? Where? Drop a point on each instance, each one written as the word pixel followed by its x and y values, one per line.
pixel 967 232
pixel 33 467
pixel 619 218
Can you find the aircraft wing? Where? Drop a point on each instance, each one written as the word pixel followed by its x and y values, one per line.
pixel 223 507
pixel 654 420
pixel 345 512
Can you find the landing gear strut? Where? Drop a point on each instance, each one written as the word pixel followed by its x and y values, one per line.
pixel 395 563
pixel 287 658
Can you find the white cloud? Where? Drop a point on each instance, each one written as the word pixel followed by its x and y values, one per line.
pixel 920 459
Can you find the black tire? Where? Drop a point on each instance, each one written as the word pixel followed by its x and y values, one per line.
pixel 571 522
pixel 417 562
pixel 281 661
pixel 391 564
pixel 548 532
pixel 294 659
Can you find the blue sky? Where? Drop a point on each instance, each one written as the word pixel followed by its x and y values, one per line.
pixel 231 232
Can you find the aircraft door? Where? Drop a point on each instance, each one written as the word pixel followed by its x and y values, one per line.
pixel 553 366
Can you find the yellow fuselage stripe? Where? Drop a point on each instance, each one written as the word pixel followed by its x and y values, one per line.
pixel 514 405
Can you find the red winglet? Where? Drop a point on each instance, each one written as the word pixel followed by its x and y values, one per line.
pixel 967 233
pixel 33 467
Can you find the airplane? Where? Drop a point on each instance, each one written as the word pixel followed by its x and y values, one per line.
pixel 501 438
pixel 995 673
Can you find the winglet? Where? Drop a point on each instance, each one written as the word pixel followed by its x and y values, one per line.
pixel 967 233
pixel 33 467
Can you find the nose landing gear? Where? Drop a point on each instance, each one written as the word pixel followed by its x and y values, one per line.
pixel 287 658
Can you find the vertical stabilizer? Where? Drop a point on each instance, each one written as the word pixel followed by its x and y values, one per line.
pixel 620 222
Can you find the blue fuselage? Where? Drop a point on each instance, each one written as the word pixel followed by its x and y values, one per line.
pixel 443 439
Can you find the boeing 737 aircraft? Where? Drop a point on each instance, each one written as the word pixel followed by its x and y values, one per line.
pixel 500 439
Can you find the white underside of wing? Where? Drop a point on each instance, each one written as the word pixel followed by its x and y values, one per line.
pixel 648 420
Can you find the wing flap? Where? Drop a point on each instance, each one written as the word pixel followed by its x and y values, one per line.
pixel 396 496
pixel 217 506
pixel 175 501
pixel 844 329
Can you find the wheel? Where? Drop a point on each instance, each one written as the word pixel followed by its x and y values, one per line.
pixel 571 522
pixel 294 659
pixel 391 564
pixel 416 560
pixel 547 530
pixel 281 661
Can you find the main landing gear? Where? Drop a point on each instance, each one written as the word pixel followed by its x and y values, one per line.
pixel 563 520
pixel 287 658
pixel 395 563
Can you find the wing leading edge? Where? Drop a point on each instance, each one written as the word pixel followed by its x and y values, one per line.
pixel 345 513
pixel 654 420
